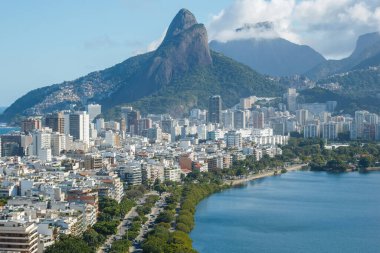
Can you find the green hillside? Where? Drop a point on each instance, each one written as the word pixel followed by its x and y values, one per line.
pixel 225 77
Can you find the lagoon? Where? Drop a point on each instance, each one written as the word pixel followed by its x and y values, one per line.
pixel 295 212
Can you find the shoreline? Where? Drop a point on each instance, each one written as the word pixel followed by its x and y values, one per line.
pixel 199 244
pixel 371 169
pixel 241 181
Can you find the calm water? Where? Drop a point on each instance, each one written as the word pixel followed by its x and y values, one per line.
pixel 297 212
pixel 5 130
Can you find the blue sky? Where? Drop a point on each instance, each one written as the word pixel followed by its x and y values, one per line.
pixel 43 42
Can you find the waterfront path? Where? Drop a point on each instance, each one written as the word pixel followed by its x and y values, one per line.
pixel 268 173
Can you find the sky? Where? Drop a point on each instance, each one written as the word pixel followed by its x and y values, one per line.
pixel 43 42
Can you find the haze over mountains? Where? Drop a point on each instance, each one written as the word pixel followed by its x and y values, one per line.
pixel 180 74
pixel 366 53
pixel 275 57
pixel 279 57
pixel 183 72
pixel 267 53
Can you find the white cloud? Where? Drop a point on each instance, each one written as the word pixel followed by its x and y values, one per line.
pixel 329 26
pixel 156 43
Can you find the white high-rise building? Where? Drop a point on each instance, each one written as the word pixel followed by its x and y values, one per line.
pixel 377 131
pixel 291 99
pixel 228 119
pixel 372 118
pixel 302 116
pixel 93 111
pixel 41 146
pixel 58 143
pixel 258 119
pixel 80 126
pixel 311 131
pixel 18 236
pixel 202 132
pixel 110 137
pixel 239 119
pixel 233 139
pixel 100 124
pixel 66 120
pixel 154 134
pixel 330 131
pixel 172 174
pixel 360 119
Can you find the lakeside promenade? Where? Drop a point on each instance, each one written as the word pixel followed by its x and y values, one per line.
pixel 261 175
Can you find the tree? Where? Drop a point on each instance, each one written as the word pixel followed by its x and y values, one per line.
pixel 120 246
pixel 183 227
pixel 93 238
pixel 69 244
pixel 365 162
pixel 106 227
pixel 166 217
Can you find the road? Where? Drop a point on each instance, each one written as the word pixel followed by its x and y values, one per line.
pixel 148 226
pixel 120 230
pixel 122 227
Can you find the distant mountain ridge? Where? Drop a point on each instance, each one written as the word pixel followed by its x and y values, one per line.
pixel 275 57
pixel 180 74
pixel 366 53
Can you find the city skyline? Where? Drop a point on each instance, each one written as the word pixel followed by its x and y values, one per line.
pixel 190 126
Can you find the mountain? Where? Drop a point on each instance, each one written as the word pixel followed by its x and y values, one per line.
pixel 366 53
pixel 180 74
pixel 346 103
pixel 276 57
pixel 356 83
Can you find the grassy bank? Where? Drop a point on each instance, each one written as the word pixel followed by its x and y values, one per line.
pixel 171 234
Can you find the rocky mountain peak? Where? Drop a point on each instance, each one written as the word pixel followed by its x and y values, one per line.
pixel 185 47
pixel 369 42
pixel 181 22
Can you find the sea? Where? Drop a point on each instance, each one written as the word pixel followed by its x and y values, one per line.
pixel 292 213
pixel 6 130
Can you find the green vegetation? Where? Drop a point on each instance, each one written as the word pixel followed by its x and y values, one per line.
pixel 358 83
pixel 145 209
pixel 69 244
pixel 225 76
pixel 162 239
pixel 347 103
pixel 120 246
pixel 3 201
pixel 108 220
pixel 93 239
pixel 312 151
pixel 230 79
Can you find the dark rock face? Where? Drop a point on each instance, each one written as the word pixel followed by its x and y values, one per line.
pixel 181 22
pixel 185 46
